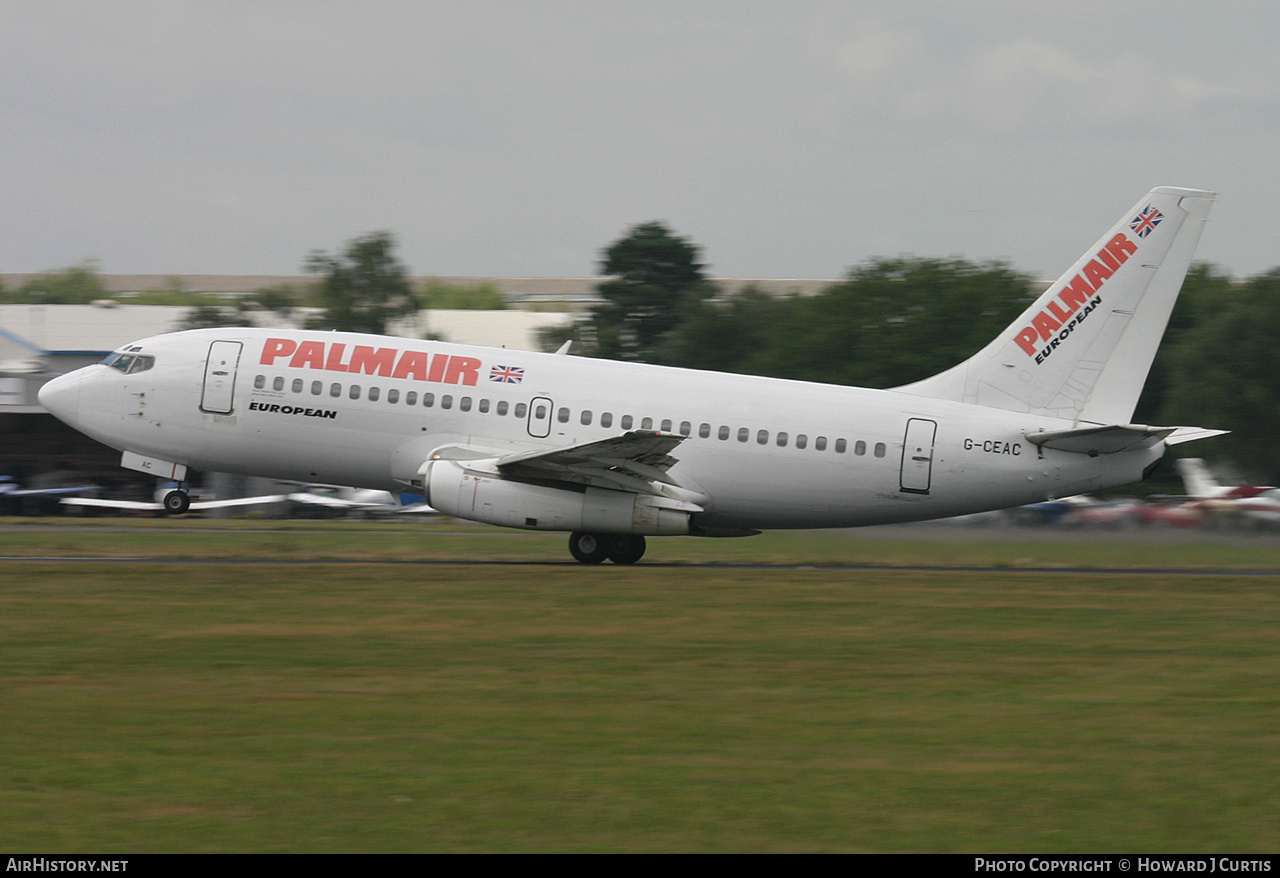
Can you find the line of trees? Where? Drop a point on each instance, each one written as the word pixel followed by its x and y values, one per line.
pixel 893 321
pixel 888 322
pixel 361 288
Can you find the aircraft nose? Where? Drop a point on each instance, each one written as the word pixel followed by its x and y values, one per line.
pixel 61 396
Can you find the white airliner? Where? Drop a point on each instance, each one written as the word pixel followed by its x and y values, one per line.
pixel 614 451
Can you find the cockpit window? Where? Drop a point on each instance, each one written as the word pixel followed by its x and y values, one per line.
pixel 129 363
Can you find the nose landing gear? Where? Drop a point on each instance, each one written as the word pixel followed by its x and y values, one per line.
pixel 176 502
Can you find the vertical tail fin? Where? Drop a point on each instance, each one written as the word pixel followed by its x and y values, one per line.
pixel 1082 351
pixel 1197 479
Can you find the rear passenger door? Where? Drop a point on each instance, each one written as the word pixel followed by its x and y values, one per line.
pixel 917 456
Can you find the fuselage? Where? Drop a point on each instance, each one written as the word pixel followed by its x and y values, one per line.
pixel 760 453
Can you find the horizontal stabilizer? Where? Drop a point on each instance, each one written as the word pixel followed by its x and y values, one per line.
pixel 1101 440
pixel 1116 438
pixel 1191 434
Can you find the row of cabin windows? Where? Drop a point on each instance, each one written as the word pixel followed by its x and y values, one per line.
pixel 355 391
pixel 782 439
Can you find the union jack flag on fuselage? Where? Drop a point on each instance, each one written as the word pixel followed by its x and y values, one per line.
pixel 1145 222
pixel 506 374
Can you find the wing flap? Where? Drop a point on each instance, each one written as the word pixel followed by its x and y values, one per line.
pixel 637 447
pixel 637 461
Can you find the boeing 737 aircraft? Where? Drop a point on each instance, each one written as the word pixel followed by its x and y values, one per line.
pixel 612 452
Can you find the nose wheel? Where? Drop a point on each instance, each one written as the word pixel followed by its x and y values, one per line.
pixel 588 548
pixel 176 502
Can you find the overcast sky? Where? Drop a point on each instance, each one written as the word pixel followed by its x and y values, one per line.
pixel 786 139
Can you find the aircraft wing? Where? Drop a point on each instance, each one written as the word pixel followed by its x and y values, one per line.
pixel 416 509
pixel 635 461
pixel 309 498
pixel 197 506
pixel 112 504
pixel 46 492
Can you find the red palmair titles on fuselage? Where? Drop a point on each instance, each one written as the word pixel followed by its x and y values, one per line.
pixel 387 362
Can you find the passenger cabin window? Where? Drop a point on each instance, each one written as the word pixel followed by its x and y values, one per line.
pixel 317 388
pixel 743 434
pixel 724 432
pixel 820 443
pixel 259 381
pixel 704 431
pixel 646 423
pixel 879 449
pixel 782 440
pixel 393 396
pixel 355 391
pixel 278 383
pixel 521 409
pixel 666 425
pixel 335 390
pixel 802 441
pixel 860 448
pixel 297 385
pixel 686 428
pixel 374 393
pixel 626 422
pixel 502 407
pixel 563 416
pixel 586 418
pixel 411 398
pixel 606 419
pixel 840 446
pixel 446 401
pixel 484 406
pixel 465 403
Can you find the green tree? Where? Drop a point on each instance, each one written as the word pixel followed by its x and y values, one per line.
pixel 280 299
pixel 1225 373
pixel 1206 290
pixel 363 289
pixel 733 333
pixel 213 316
pixel 75 285
pixel 892 321
pixel 655 279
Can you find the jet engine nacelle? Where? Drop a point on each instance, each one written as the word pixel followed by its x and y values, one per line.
pixel 492 499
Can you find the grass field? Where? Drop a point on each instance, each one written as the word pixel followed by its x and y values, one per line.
pixel 261 706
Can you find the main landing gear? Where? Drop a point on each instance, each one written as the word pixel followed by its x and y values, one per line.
pixel 176 502
pixel 618 548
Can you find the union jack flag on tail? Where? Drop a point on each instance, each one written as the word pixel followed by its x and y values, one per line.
pixel 1145 222
pixel 506 374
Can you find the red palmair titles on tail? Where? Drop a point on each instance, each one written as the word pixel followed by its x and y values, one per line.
pixel 1073 304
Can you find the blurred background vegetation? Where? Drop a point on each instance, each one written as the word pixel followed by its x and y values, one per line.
pixel 888 322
